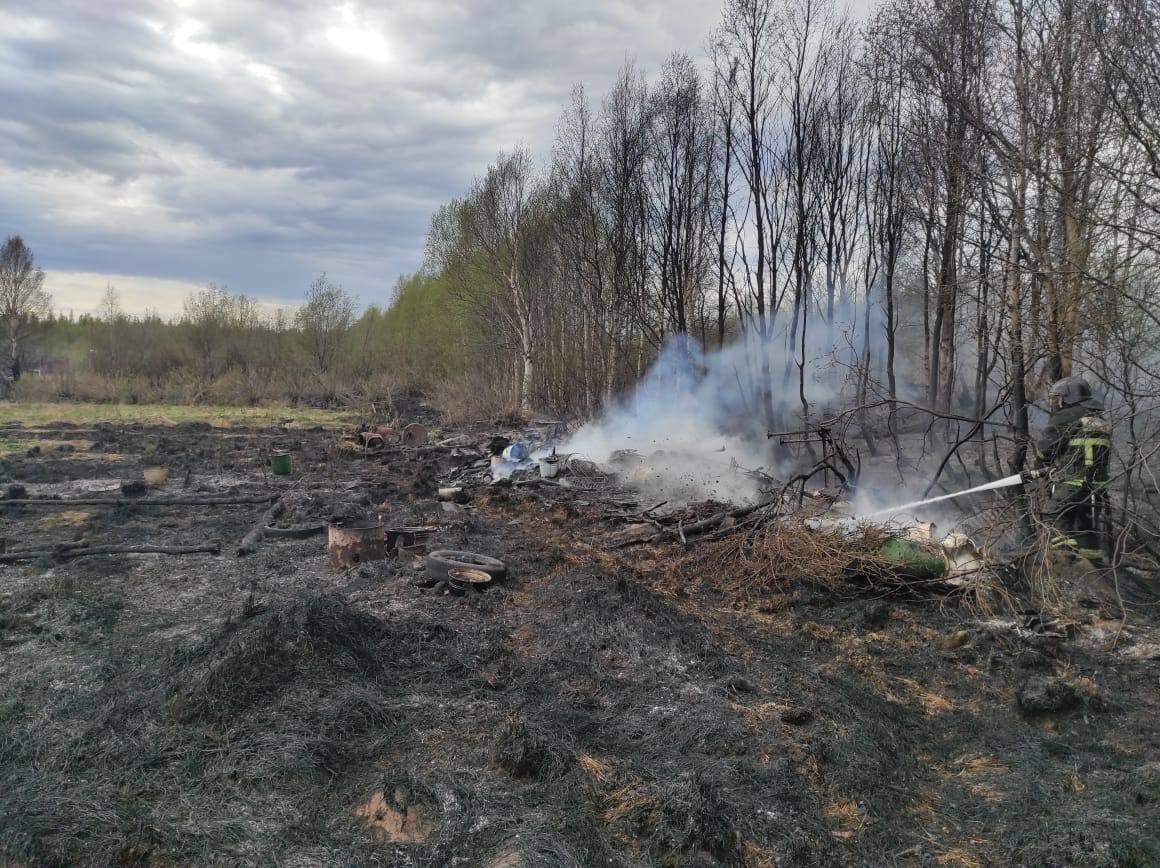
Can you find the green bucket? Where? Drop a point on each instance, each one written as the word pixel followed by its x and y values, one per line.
pixel 280 463
pixel 913 558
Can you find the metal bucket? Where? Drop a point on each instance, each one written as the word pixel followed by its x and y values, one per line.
pixel 280 463
pixel 351 545
pixel 549 467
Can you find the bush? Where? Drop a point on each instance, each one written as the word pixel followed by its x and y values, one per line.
pixel 473 396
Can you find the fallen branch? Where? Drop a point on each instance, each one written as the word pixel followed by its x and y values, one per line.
pixel 223 500
pixel 251 540
pixel 749 523
pixel 711 523
pixel 704 524
pixel 68 553
pixel 300 532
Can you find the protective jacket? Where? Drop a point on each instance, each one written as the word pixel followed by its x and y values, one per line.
pixel 1077 445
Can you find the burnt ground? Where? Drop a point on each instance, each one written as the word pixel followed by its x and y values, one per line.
pixel 594 708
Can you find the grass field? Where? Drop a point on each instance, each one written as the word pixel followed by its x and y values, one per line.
pixel 34 414
pixel 12 445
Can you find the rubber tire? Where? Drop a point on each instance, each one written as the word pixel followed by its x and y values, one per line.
pixel 439 562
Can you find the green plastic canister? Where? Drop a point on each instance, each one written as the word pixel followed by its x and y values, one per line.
pixel 913 558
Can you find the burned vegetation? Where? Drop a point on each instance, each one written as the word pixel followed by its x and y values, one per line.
pixel 691 684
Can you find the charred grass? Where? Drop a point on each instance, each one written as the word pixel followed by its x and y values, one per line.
pixel 628 708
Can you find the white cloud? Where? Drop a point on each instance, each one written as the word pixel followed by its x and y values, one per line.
pixel 81 292
pixel 358 37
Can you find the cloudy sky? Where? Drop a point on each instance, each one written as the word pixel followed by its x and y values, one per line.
pixel 163 144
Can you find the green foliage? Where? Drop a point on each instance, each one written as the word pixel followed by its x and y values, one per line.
pixel 13 446
pixel 427 330
pixel 225 350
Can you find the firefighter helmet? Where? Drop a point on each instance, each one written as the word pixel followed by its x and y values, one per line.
pixel 1075 391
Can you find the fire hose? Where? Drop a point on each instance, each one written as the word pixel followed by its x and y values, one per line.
pixel 1005 482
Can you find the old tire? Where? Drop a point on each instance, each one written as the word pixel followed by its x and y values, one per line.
pixel 438 564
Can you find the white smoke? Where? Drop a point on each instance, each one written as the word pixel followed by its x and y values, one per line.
pixel 688 429
pixel 694 428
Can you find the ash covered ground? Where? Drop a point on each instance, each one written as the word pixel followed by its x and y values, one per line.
pixel 605 704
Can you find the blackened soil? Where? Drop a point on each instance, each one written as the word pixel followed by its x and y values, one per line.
pixel 585 711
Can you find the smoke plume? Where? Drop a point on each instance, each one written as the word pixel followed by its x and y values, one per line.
pixel 695 428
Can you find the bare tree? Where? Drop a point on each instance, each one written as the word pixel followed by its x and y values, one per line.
pixel 324 319
pixel 886 70
pixel 488 235
pixel 951 47
pixel 678 177
pixel 746 46
pixel 580 237
pixel 624 148
pixel 23 302
pixel 725 109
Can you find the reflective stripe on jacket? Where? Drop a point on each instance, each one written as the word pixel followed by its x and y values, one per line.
pixel 1077 443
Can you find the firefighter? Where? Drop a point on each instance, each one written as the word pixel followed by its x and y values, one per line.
pixel 1076 446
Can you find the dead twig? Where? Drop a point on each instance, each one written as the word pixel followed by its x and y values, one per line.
pixel 68 553
pixel 1116 584
pixel 215 500
pixel 712 523
pixel 299 532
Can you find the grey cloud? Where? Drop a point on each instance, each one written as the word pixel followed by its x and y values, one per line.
pixel 261 153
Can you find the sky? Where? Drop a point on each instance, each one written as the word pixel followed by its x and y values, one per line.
pixel 159 145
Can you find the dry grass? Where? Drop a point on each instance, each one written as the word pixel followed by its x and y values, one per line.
pixel 599 770
pixel 784 552
pixel 924 808
pixel 13 445
pixel 847 813
pixel 29 414
pixel 471 397
pixel 394 820
pixel 960 857
pixel 978 772
pixel 67 518
pixel 759 715
pixel 628 801
pixel 933 704
pixel 757 856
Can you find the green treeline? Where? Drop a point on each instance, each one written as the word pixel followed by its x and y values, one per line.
pixel 225 348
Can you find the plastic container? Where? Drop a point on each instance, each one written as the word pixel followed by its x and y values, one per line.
pixel 516 452
pixel 549 467
pixel 913 558
pixel 280 463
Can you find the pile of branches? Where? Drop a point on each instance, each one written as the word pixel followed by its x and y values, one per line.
pixel 699 522
pixel 786 552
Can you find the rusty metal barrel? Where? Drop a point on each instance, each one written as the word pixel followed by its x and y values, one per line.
pixel 356 543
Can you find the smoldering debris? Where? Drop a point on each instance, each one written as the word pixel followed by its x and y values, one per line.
pixel 687 428
pixel 695 421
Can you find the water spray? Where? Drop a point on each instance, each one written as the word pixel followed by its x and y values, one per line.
pixel 1005 482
